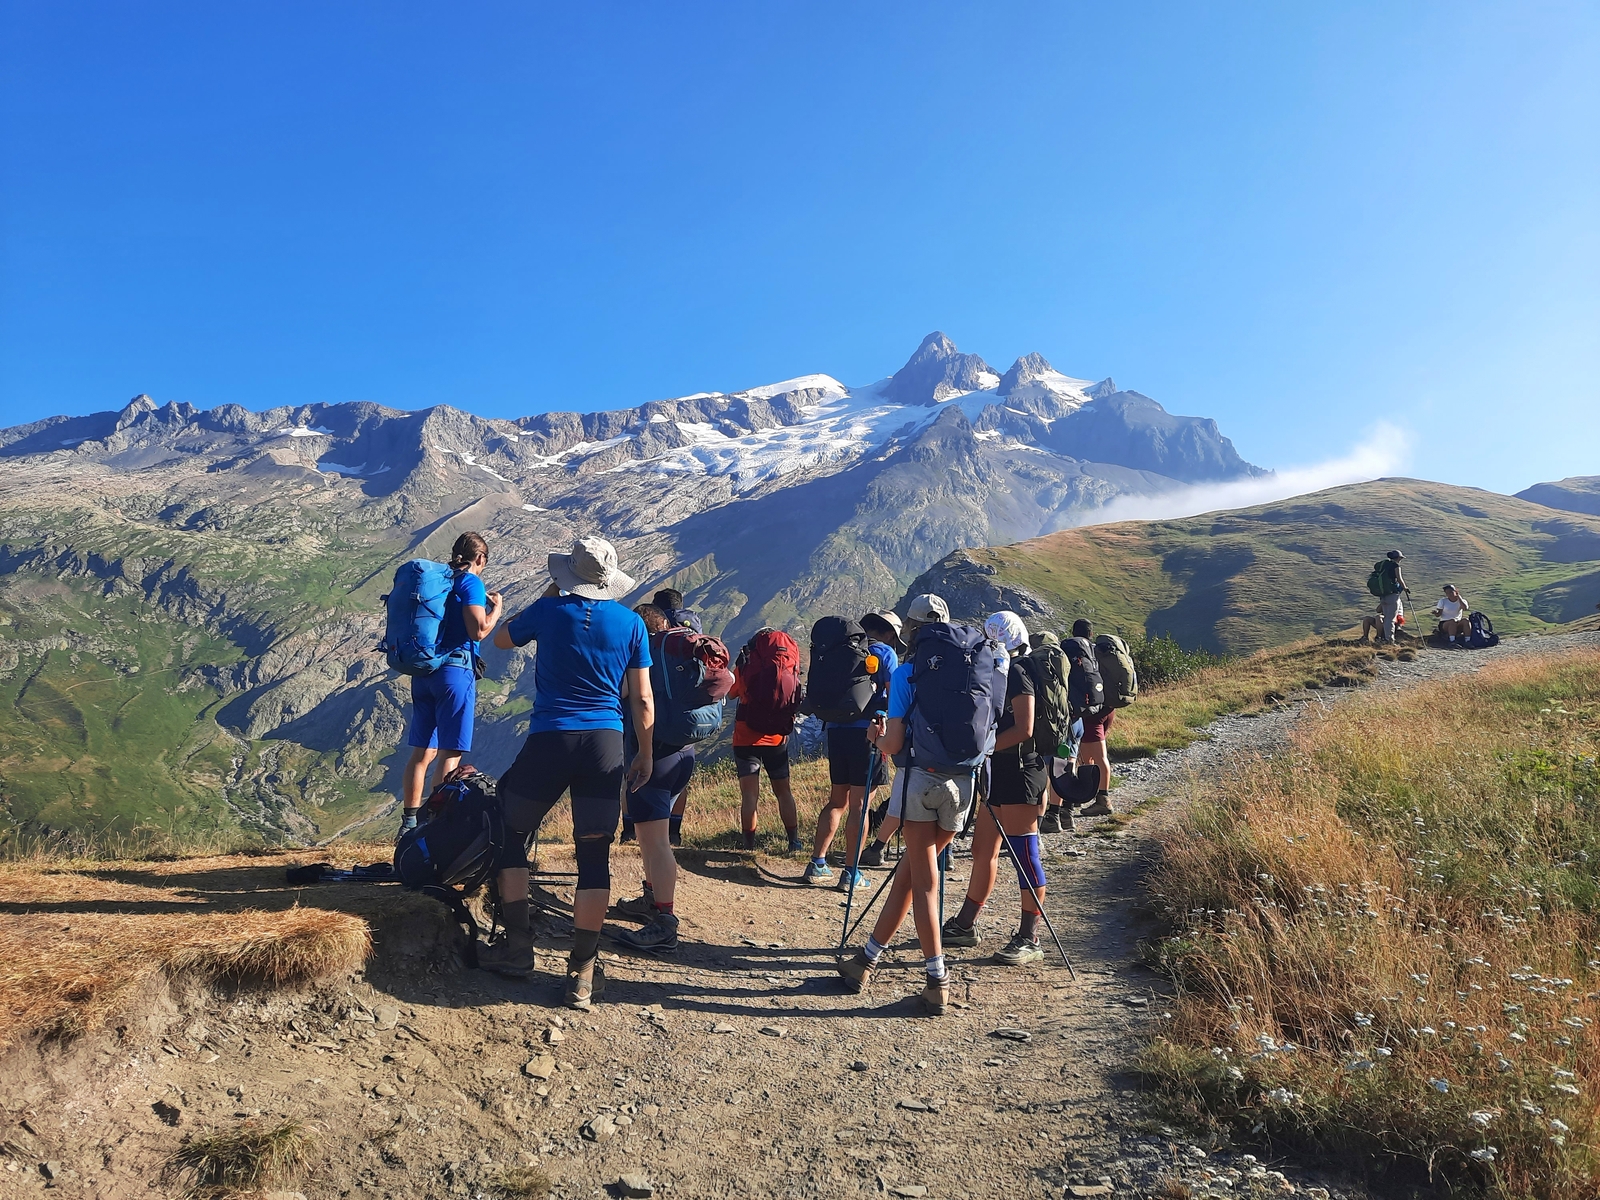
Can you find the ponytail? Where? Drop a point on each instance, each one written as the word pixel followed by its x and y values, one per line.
pixel 466 550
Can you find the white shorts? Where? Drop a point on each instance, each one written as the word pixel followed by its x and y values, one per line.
pixel 928 796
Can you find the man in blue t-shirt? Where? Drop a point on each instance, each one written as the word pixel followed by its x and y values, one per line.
pixel 589 647
pixel 443 702
pixel 853 767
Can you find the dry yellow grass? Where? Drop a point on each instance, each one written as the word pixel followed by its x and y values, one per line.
pixel 230 1162
pixel 1388 940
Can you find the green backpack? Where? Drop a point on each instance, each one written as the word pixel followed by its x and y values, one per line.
pixel 1116 670
pixel 1052 707
pixel 1381 582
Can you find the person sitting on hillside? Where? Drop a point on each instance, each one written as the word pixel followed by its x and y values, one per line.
pixel 1372 623
pixel 1092 747
pixel 1453 611
pixel 443 702
pixel 588 646
pixel 670 601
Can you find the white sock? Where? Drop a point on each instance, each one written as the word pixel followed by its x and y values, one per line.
pixel 935 968
pixel 874 949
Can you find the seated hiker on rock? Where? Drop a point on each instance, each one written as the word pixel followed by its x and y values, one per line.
pixel 588 645
pixel 444 700
pixel 1453 612
pixel 1372 623
pixel 943 704
pixel 1018 780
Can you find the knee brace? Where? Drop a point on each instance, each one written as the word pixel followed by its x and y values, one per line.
pixel 594 863
pixel 1025 853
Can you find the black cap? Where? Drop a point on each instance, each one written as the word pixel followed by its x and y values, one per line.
pixel 1396 555
pixel 1080 628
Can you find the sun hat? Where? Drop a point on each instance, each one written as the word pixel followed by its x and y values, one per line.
pixel 927 608
pixel 590 570
pixel 1006 628
pixel 891 619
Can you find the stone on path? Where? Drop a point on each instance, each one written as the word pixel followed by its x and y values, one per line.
pixel 776 1031
pixel 554 1037
pixel 638 1185
pixel 908 1189
pixel 540 1068
pixel 724 1027
pixel 912 1104
pixel 387 1016
pixel 1012 1035
pixel 598 1129
pixel 1081 1190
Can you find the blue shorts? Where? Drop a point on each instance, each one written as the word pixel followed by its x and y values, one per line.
pixel 653 802
pixel 441 709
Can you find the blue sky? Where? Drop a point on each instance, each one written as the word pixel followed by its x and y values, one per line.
pixel 1302 220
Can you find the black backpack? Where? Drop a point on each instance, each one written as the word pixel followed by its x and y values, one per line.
pixel 455 849
pixel 839 688
pixel 1482 634
pixel 1085 689
pixel 960 680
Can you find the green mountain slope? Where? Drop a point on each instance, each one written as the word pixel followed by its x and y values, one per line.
pixel 1577 493
pixel 1239 581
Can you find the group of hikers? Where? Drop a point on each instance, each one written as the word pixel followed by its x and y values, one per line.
pixel 974 718
pixel 1459 628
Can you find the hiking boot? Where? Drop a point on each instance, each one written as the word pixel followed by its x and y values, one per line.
pixel 1051 821
pixel 872 855
pixel 955 934
pixel 585 984
pixel 1100 808
pixel 935 997
pixel 857 972
pixel 675 839
pixel 796 846
pixel 627 835
pixel 861 879
pixel 511 956
pixel 1019 952
pixel 642 906
pixel 660 936
pixel 819 873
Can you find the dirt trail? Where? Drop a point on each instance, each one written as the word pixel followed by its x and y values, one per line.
pixel 736 1068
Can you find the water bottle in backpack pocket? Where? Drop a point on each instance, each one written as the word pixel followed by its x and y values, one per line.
pixel 416 604
pixel 959 676
pixel 690 678
pixel 839 688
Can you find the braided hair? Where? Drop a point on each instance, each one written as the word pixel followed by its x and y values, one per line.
pixel 466 550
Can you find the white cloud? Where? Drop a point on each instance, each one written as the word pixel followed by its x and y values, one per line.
pixel 1384 451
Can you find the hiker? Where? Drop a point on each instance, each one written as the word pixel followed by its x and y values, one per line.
pixel 1018 780
pixel 1388 583
pixel 852 766
pixel 1092 750
pixel 444 700
pixel 1057 818
pixel 688 708
pixel 943 705
pixel 670 601
pixel 589 645
pixel 767 686
pixel 882 626
pixel 1453 611
pixel 1372 623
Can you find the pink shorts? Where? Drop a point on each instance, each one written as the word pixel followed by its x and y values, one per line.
pixel 1096 727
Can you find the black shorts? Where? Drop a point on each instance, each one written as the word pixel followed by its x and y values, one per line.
pixel 849 756
pixel 1017 780
pixel 588 762
pixel 748 760
pixel 653 802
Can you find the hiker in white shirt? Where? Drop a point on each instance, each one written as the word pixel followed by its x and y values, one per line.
pixel 1452 611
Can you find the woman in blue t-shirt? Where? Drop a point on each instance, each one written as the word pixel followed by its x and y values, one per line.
pixel 443 702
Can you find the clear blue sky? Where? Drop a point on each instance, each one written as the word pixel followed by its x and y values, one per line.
pixel 1296 218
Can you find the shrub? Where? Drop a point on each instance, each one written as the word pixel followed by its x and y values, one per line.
pixel 1162 660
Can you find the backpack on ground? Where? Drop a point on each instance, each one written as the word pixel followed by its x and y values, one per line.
pixel 769 666
pixel 1117 672
pixel 416 610
pixel 1086 689
pixel 1385 578
pixel 1481 634
pixel 959 676
pixel 456 845
pixel 839 688
pixel 690 678
pixel 1052 708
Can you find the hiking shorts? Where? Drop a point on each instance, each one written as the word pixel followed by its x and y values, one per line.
pixel 442 704
pixel 748 760
pixel 1096 727
pixel 654 801
pixel 849 756
pixel 1014 779
pixel 929 796
pixel 588 762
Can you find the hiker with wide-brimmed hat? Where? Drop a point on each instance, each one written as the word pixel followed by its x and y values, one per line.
pixel 589 647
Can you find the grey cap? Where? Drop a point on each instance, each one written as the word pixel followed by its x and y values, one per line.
pixel 927 608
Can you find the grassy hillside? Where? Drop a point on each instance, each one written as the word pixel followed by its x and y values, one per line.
pixel 1240 581
pixel 1577 493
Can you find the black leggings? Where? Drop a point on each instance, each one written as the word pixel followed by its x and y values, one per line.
pixel 590 763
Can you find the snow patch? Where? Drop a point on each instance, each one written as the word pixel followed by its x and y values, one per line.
pixel 821 383
pixel 302 431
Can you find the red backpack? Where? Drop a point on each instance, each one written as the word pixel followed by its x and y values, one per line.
pixel 769 666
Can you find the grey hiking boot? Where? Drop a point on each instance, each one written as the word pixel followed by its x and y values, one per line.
pixel 642 905
pixel 660 936
pixel 1019 952
pixel 856 971
pixel 935 997
pixel 585 984
pixel 511 956
pixel 872 855
pixel 953 933
pixel 1100 808
pixel 1051 821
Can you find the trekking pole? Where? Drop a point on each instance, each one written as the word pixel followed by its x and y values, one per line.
pixel 861 836
pixel 882 887
pixel 1023 875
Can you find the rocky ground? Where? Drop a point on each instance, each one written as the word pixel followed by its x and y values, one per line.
pixel 737 1067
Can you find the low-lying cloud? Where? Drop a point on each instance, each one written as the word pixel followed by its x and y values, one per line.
pixel 1382 452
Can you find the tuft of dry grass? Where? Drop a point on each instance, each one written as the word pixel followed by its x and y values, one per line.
pixel 1387 940
pixel 525 1183
pixel 243 1159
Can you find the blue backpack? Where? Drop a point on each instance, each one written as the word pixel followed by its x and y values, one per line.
pixel 456 848
pixel 690 679
pixel 416 610
pixel 1482 634
pixel 959 674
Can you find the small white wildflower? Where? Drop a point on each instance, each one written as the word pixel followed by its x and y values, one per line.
pixel 1481 1118
pixel 1360 1064
pixel 1282 1096
pixel 1560 1126
pixel 1560 1074
pixel 1564 1087
pixel 1235 1074
pixel 1486 1154
pixel 1383 1052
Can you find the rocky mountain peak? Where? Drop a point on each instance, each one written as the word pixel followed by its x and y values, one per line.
pixel 1106 387
pixel 937 372
pixel 1025 370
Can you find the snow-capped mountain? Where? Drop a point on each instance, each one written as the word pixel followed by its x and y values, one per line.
pixel 276 530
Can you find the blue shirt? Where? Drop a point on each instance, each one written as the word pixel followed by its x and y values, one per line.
pixel 467 589
pixel 888 662
pixel 585 649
